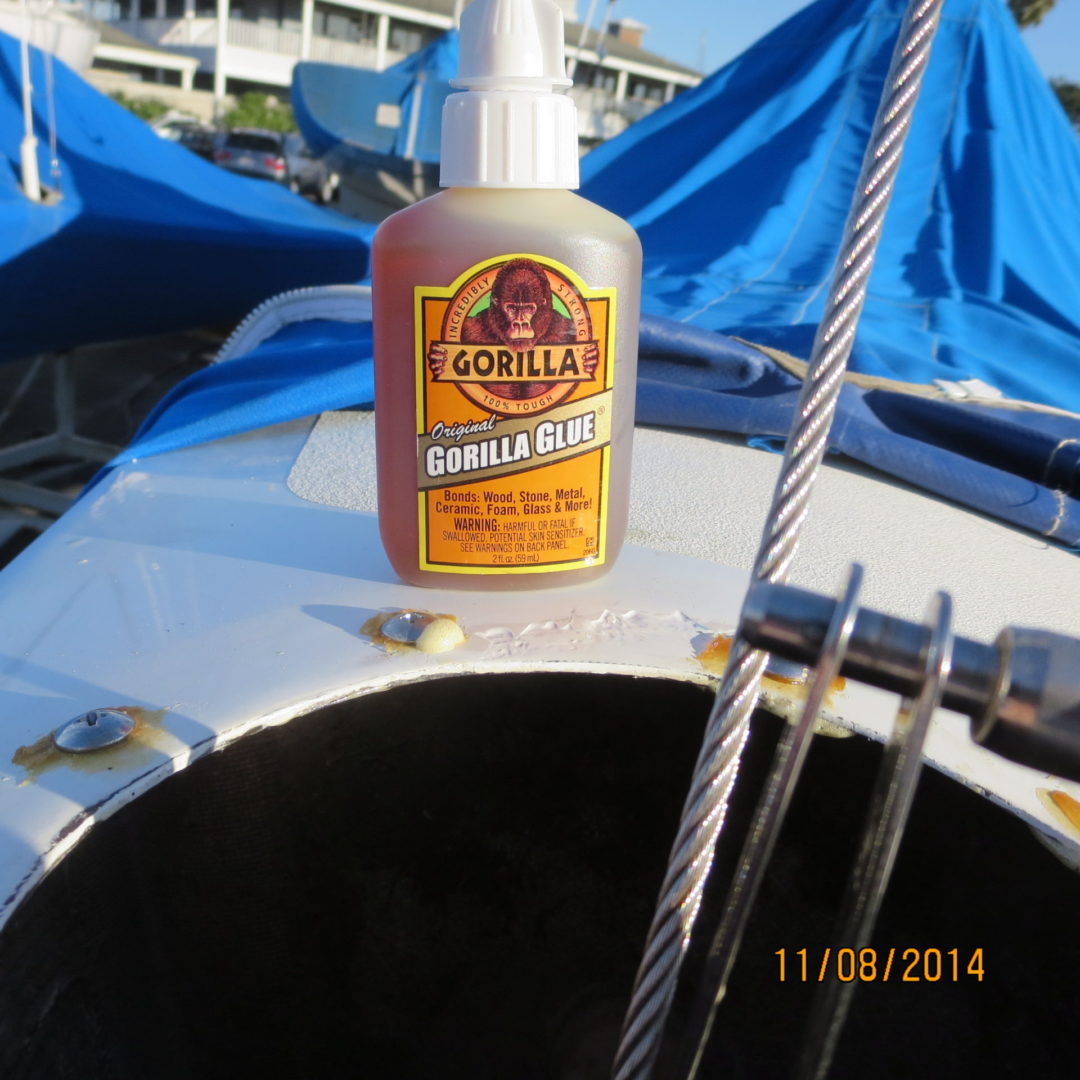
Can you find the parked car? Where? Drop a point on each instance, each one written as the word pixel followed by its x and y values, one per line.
pixel 172 124
pixel 254 152
pixel 270 155
pixel 308 174
pixel 198 137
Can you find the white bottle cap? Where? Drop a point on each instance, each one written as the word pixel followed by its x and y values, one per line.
pixel 510 129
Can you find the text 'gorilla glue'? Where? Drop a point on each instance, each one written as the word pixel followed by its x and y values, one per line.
pixel 506 320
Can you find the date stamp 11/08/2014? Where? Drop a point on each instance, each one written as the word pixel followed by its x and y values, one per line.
pixel 893 964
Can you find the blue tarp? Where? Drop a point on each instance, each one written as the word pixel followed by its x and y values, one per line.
pixel 337 105
pixel 1017 465
pixel 147 237
pixel 740 188
pixel 305 368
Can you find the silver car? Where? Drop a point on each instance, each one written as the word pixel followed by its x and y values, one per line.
pixel 254 152
pixel 309 174
pixel 270 155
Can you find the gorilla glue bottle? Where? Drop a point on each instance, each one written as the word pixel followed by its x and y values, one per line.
pixel 505 323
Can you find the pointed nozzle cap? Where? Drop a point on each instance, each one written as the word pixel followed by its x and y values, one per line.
pixel 511 44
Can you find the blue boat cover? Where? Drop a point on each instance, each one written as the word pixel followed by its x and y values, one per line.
pixel 739 190
pixel 147 237
pixel 740 187
pixel 396 112
pixel 1018 465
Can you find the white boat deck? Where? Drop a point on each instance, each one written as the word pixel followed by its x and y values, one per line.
pixel 222 588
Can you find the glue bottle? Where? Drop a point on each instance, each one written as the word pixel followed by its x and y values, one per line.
pixel 505 328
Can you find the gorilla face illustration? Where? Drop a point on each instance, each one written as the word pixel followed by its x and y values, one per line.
pixel 520 316
pixel 520 312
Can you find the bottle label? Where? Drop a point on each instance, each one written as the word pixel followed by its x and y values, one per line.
pixel 514 376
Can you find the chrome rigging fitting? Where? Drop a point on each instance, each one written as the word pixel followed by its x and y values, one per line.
pixel 1022 692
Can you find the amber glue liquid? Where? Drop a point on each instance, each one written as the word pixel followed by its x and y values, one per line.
pixel 506 321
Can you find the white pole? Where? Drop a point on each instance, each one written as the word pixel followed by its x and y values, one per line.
pixel 602 29
pixel 382 37
pixel 414 115
pixel 31 178
pixel 219 57
pixel 571 65
pixel 307 27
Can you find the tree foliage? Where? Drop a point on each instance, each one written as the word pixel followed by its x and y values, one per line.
pixel 261 111
pixel 148 109
pixel 1068 94
pixel 1030 12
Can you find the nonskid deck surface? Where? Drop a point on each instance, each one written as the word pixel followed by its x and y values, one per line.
pixel 706 496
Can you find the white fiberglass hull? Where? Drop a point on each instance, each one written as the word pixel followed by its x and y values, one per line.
pixel 221 589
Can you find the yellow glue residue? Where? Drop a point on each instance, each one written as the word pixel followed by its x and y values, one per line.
pixel 1064 808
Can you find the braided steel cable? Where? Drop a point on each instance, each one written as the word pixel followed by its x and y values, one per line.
pixel 729 721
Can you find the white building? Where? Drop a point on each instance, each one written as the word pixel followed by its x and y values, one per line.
pixel 125 54
pixel 245 45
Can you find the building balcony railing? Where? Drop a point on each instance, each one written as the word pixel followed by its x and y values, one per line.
pixel 362 54
pixel 252 35
pixel 245 34
pixel 171 32
pixel 601 113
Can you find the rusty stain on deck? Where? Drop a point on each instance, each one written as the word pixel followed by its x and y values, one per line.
pixel 43 754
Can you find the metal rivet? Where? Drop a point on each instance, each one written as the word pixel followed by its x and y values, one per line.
pixel 95 730
pixel 407 626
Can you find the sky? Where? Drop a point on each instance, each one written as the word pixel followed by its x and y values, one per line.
pixel 715 31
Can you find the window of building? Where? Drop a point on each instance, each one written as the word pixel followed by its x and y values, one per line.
pixel 595 76
pixel 107 10
pixel 583 74
pixel 645 89
pixel 266 12
pixel 343 24
pixel 603 79
pixel 408 37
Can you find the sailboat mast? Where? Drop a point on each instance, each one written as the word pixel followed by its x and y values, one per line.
pixel 31 179
pixel 571 63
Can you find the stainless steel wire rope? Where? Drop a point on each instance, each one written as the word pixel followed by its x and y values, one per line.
pixel 728 724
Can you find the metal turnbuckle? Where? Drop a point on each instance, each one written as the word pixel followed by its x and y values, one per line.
pixel 1022 694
